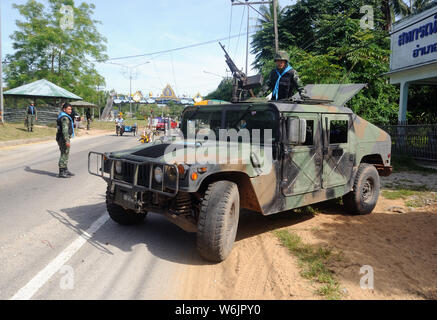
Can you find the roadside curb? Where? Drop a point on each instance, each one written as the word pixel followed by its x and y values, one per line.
pixel 16 143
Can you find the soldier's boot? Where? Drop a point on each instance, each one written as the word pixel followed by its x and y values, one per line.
pixel 63 173
pixel 69 173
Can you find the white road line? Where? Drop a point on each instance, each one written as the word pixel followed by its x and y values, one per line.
pixel 44 275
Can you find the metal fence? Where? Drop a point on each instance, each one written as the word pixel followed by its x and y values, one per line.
pixel 416 141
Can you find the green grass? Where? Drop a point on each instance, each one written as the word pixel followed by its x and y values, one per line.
pixel 414 196
pixel 308 210
pixel 404 163
pixel 313 262
pixel 17 131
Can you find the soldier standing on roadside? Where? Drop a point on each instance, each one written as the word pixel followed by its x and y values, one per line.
pixel 88 119
pixel 31 117
pixel 65 132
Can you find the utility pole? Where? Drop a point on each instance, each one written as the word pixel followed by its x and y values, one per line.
pixel 2 112
pixel 130 79
pixel 130 91
pixel 247 42
pixel 275 21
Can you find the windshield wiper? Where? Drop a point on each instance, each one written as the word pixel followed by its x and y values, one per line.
pixel 242 117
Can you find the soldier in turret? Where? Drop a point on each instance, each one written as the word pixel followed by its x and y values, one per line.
pixel 284 81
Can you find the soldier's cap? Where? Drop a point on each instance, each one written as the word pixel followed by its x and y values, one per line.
pixel 282 55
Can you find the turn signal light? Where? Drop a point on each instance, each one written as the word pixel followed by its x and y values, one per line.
pixel 202 170
pixel 181 169
pixel 194 176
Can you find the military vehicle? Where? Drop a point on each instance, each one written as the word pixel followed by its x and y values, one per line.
pixel 320 150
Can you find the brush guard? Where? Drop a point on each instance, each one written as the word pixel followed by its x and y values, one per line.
pixel 97 161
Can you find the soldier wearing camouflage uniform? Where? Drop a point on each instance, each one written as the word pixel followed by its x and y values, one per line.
pixel 284 80
pixel 65 133
pixel 31 117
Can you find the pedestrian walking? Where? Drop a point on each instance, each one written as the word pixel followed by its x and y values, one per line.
pixel 64 134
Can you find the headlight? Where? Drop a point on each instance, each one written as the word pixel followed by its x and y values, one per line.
pixel 158 174
pixel 118 167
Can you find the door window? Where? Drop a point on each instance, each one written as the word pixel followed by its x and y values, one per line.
pixel 338 131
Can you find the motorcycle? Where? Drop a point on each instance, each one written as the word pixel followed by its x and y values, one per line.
pixel 147 136
pixel 119 129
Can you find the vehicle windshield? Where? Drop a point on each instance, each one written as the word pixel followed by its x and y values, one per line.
pixel 201 121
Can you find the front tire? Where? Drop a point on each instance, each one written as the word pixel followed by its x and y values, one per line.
pixel 218 221
pixel 365 194
pixel 123 216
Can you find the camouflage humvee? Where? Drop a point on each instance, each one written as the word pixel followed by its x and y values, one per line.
pixel 318 150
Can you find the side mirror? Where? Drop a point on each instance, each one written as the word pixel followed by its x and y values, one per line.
pixel 296 131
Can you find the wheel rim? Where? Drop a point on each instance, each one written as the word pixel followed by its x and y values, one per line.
pixel 368 190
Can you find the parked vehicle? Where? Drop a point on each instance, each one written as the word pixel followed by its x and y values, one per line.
pixel 320 150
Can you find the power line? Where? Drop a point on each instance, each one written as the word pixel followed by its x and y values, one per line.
pixel 241 26
pixel 174 49
pixel 174 77
pixel 230 27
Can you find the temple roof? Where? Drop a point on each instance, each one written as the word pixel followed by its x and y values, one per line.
pixel 168 93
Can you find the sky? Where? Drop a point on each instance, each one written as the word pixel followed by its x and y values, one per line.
pixel 135 27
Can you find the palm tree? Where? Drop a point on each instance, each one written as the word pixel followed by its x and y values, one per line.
pixel 393 8
pixel 419 5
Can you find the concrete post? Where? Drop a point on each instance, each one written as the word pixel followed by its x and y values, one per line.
pixel 403 103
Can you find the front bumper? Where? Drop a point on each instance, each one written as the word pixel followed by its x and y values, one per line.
pixel 139 176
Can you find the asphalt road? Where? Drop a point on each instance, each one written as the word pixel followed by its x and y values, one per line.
pixel 57 241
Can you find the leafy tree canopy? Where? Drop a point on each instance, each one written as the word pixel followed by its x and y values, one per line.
pixel 44 50
pixel 327 44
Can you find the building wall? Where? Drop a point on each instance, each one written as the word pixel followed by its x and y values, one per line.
pixel 46 114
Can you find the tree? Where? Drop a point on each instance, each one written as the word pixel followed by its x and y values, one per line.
pixel 44 50
pixel 223 92
pixel 263 42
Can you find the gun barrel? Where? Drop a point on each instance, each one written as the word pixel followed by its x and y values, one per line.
pixel 237 73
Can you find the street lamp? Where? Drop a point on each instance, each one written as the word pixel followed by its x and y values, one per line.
pixel 130 69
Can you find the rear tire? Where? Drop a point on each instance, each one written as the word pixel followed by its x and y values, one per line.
pixel 123 216
pixel 218 221
pixel 364 196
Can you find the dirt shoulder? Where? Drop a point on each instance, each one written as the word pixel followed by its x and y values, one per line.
pixel 49 136
pixel 400 247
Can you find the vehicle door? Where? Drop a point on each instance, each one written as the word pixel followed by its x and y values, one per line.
pixel 302 164
pixel 337 159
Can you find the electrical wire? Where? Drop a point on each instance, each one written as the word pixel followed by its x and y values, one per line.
pixel 230 27
pixel 174 49
pixel 241 26
pixel 174 77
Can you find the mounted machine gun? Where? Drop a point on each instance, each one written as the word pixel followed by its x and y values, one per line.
pixel 242 83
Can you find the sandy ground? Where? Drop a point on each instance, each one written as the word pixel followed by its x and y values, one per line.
pixel 400 247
